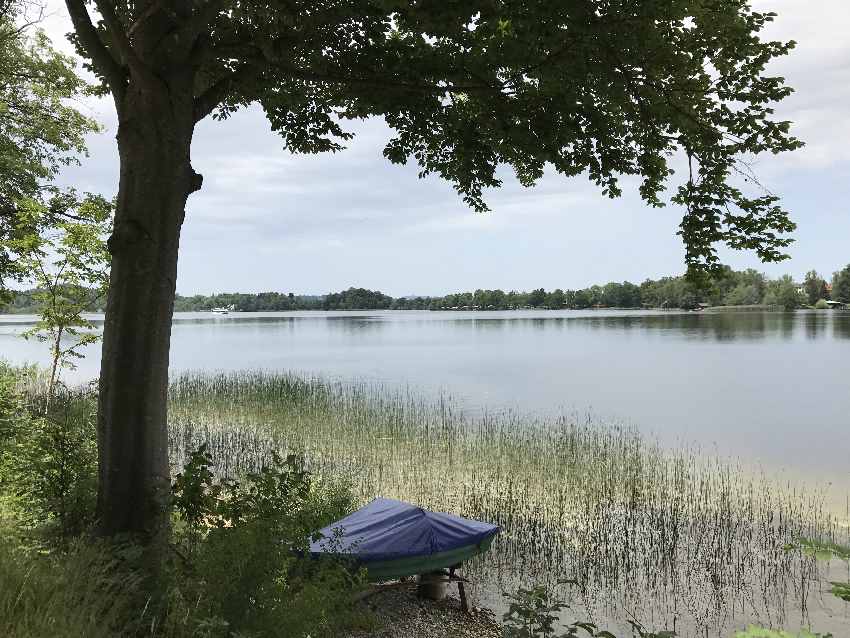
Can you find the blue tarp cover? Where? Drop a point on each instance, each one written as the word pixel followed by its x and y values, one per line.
pixel 386 529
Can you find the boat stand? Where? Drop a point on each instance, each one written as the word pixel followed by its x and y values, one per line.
pixel 432 585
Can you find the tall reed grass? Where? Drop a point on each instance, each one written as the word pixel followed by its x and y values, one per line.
pixel 675 539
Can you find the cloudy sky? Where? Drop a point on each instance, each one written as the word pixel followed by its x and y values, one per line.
pixel 269 220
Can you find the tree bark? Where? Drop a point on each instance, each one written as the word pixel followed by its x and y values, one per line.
pixel 154 138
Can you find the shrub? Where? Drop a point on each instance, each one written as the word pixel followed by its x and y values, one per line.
pixel 821 304
pixel 244 551
pixel 535 613
pixel 50 463
pixel 12 410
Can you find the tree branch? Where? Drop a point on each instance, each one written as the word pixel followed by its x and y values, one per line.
pixel 119 36
pixel 390 83
pixel 200 20
pixel 217 93
pixel 113 71
pixel 147 13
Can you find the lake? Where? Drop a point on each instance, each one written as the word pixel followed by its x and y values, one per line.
pixel 773 388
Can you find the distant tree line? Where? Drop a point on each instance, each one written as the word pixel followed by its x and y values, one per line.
pixel 248 302
pixel 727 288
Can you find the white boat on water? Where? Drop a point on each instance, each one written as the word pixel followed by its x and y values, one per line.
pixel 220 311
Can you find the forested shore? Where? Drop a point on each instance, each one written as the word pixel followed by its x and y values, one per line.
pixel 727 288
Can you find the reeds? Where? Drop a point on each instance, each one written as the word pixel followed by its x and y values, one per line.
pixel 673 538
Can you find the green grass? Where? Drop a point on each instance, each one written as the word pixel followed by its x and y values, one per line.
pixel 73 595
pixel 674 534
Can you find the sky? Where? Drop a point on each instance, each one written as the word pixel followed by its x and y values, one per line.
pixel 269 220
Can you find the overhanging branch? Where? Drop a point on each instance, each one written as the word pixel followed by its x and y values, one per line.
pixel 113 71
pixel 200 20
pixel 220 90
pixel 216 94
pixel 119 36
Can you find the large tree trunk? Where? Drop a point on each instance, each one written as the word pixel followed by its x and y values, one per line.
pixel 154 137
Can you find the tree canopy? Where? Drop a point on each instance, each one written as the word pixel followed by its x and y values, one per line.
pixel 39 131
pixel 607 89
pixel 841 285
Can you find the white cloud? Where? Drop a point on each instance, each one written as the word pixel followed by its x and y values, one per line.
pixel 819 71
pixel 266 219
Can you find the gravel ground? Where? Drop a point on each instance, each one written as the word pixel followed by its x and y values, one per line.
pixel 401 614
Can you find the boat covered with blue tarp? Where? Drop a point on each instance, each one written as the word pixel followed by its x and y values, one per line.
pixel 392 539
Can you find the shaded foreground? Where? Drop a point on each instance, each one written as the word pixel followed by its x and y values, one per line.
pixel 672 539
pixel 400 614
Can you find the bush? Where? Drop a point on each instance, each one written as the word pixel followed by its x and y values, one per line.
pixel 244 552
pixel 239 568
pixel 239 565
pixel 535 613
pixel 12 410
pixel 821 304
pixel 49 460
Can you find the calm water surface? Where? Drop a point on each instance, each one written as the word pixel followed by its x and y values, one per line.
pixel 774 387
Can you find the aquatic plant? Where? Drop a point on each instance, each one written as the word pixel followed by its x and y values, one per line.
pixel 670 538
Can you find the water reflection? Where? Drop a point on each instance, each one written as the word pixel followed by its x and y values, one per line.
pixel 697 326
pixel 815 325
pixel 841 326
pixel 719 379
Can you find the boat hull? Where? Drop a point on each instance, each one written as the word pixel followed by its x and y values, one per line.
pixel 379 571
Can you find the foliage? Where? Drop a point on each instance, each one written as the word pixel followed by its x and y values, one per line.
pixel 575 497
pixel 12 408
pixel 49 460
pixel 471 86
pixel 821 304
pixel 841 285
pixel 534 613
pixel 239 566
pixel 85 592
pixel 727 287
pixel 826 551
pixel 357 298
pixel 606 89
pixel 245 545
pixel 40 130
pixel 259 302
pixel 69 263
pixel 815 287
pixel 783 292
